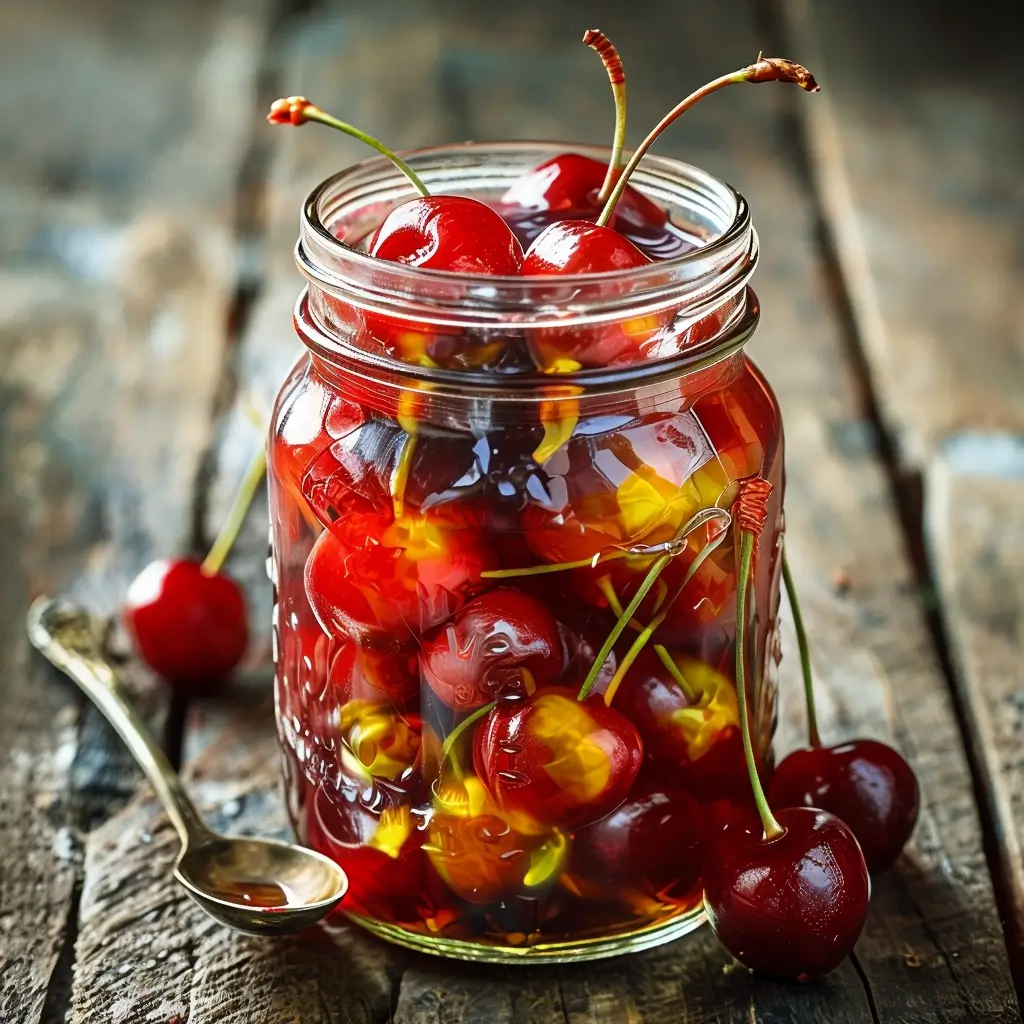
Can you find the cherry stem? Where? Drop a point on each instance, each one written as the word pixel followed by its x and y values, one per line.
pixel 602 45
pixel 772 828
pixel 631 655
pixel 298 110
pixel 453 736
pixel 222 546
pixel 692 696
pixel 620 626
pixel 765 69
pixel 814 737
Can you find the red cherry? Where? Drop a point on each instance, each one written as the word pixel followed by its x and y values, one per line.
pixel 364 674
pixel 791 907
pixel 696 742
pixel 382 854
pixel 561 761
pixel 379 580
pixel 579 247
pixel 866 784
pixel 451 233
pixel 501 643
pixel 565 188
pixel 188 627
pixel 653 842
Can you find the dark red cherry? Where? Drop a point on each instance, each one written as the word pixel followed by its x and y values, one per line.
pixel 579 247
pixel 865 783
pixel 189 627
pixel 561 761
pixel 501 643
pixel 565 188
pixel 654 842
pixel 791 907
pixel 448 233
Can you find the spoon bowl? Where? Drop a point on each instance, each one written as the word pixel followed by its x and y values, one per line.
pixel 263 886
pixel 260 885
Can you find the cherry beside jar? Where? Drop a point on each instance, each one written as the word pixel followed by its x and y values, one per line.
pixel 505 565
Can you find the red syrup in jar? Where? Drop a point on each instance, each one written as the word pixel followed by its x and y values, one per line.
pixel 390 773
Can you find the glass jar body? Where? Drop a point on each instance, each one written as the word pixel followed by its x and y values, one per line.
pixel 390 632
pixel 505 607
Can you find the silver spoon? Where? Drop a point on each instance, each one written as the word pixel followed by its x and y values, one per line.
pixel 255 885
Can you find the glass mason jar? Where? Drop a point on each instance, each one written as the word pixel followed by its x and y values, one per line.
pixel 473 480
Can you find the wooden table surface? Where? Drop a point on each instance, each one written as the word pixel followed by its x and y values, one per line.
pixel 147 217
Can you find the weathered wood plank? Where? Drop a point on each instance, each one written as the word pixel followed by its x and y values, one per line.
pixel 933 951
pixel 118 271
pixel 917 144
pixel 976 540
pixel 913 157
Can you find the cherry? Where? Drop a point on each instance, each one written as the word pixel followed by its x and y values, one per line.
pixel 451 233
pixel 189 626
pixel 501 643
pixel 653 843
pixel 563 761
pixel 383 579
pixel 484 854
pixel 867 784
pixel 188 619
pixel 792 905
pixel 362 673
pixel 382 854
pixel 787 897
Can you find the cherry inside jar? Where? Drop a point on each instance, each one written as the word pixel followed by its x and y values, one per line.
pixel 469 494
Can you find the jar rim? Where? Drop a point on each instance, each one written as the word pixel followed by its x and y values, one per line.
pixel 324 258
pixel 385 369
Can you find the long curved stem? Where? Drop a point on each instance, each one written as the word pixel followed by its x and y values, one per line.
pixel 298 110
pixel 813 736
pixel 236 514
pixel 772 828
pixel 602 45
pixel 767 69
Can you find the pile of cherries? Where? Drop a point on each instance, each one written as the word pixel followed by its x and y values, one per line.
pixel 536 779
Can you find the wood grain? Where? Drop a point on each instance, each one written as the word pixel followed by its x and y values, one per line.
pixel 976 538
pixel 916 146
pixel 117 181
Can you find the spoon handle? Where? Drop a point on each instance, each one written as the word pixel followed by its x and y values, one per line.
pixel 72 640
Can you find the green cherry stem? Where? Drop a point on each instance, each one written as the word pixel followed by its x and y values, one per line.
pixel 621 623
pixel 602 45
pixel 814 737
pixel 765 69
pixel 453 736
pixel 236 514
pixel 772 828
pixel 298 110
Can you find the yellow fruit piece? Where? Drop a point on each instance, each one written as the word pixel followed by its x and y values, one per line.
pixel 579 765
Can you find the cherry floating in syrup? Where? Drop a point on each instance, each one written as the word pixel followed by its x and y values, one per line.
pixel 187 618
pixel 653 843
pixel 788 898
pixel 867 784
pixel 501 643
pixel 562 761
